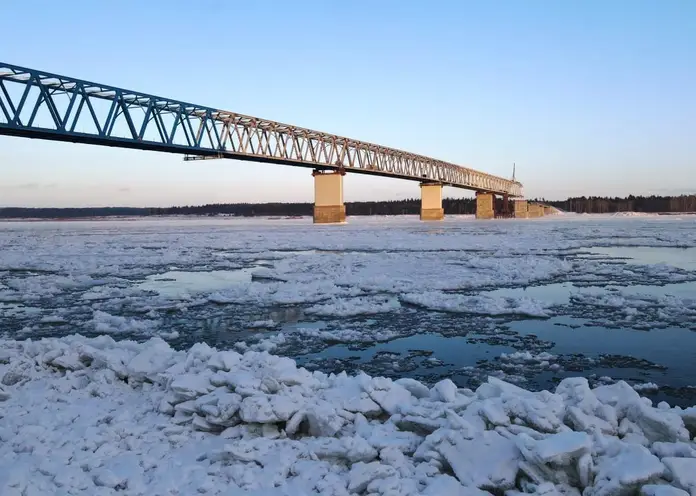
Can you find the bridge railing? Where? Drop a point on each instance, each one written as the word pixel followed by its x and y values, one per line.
pixel 42 105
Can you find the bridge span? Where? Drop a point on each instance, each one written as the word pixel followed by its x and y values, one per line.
pixel 41 105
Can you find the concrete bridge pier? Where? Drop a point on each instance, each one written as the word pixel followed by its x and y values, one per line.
pixel 521 209
pixel 535 210
pixel 485 205
pixel 431 202
pixel 328 197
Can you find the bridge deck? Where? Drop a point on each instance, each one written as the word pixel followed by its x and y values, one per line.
pixel 37 104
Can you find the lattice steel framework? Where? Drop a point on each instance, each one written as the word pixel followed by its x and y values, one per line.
pixel 37 104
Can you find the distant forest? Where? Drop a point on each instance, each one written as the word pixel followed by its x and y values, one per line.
pixel 593 205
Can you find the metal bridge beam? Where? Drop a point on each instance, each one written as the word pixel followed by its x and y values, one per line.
pixel 37 104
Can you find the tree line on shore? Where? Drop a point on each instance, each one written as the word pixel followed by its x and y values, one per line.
pixel 590 205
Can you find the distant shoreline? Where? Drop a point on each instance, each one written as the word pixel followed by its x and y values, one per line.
pixel 660 205
pixel 300 217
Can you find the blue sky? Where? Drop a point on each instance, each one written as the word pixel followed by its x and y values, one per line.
pixel 589 97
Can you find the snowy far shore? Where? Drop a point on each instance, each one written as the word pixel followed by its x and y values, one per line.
pixel 305 218
pixel 95 416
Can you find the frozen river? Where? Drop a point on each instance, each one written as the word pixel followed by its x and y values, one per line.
pixel 530 302
pixel 165 357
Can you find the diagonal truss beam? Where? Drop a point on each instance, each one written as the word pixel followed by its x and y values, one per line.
pixel 37 104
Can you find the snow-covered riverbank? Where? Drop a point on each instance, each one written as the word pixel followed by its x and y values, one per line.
pixel 96 416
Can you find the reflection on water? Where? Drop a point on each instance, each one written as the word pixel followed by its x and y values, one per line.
pixel 672 347
pixel 558 294
pixel 296 326
pixel 285 253
pixel 457 350
pixel 287 314
pixel 663 356
pixel 682 258
pixel 176 284
pixel 681 290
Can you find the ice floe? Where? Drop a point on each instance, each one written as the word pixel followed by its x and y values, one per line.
pixel 148 270
pixel 479 304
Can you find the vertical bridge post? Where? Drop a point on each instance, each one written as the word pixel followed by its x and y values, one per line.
pixel 485 205
pixel 521 209
pixel 431 202
pixel 535 210
pixel 328 197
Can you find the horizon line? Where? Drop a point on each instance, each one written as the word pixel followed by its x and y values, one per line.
pixel 347 202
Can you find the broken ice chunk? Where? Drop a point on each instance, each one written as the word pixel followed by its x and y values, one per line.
pixel 682 472
pixel 445 390
pixel 191 386
pixel 624 469
pixel 661 490
pixel 361 474
pixel 389 395
pixel 488 461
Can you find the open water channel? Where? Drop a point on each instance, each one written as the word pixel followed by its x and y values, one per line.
pixel 531 302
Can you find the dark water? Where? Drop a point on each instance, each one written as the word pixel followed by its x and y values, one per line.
pixel 603 353
pixel 582 338
pixel 661 356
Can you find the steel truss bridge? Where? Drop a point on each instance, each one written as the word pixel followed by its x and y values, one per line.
pixel 41 105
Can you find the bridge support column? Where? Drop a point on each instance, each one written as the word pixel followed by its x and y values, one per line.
pixel 521 211
pixel 485 205
pixel 328 197
pixel 431 202
pixel 535 210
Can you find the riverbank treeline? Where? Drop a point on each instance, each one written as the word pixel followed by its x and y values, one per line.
pixel 592 205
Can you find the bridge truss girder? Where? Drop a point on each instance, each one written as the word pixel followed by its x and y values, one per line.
pixel 36 104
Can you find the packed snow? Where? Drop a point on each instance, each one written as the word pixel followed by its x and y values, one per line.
pixel 97 416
